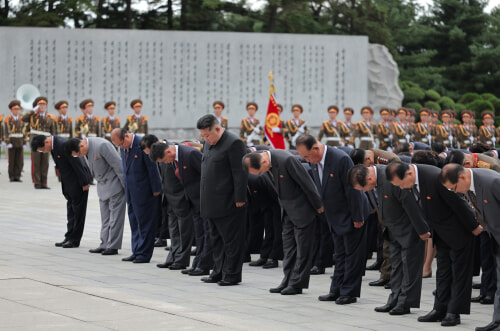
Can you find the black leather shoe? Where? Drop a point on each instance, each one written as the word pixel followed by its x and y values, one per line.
pixel 139 260
pixel 167 248
pixel 226 283
pixel 59 244
pixel 160 242
pixel 450 320
pixel 399 311
pixel 199 272
pixel 384 309
pixel 317 271
pixel 131 258
pixel 177 267
pixel 259 263
pixel 290 290
pixel 487 300
pixel 96 250
pixel 70 244
pixel 193 251
pixel 493 326
pixel 110 251
pixel 209 280
pixel 277 289
pixel 328 297
pixel 270 264
pixel 164 265
pixel 476 286
pixel 477 299
pixel 187 271
pixel 378 282
pixel 345 300
pixel 375 266
pixel 387 286
pixel 432 316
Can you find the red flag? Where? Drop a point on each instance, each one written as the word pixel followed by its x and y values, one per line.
pixel 275 139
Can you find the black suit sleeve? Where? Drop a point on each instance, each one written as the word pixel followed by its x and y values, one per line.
pixel 300 175
pixel 459 206
pixel 410 205
pixel 358 201
pixel 240 177
pixel 82 172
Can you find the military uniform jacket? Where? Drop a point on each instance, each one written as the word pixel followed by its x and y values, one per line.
pixel 486 135
pixel 464 135
pixel 383 132
pixel 421 133
pixel 335 134
pixel 64 127
pixel 443 134
pixel 246 131
pixel 366 133
pixel 349 140
pixel 485 162
pixel 87 127
pixel 399 132
pixel 383 157
pixel 224 122
pixel 108 125
pixel 13 131
pixel 36 125
pixel 292 130
pixel 139 126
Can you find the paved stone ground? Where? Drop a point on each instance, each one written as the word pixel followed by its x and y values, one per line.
pixel 48 288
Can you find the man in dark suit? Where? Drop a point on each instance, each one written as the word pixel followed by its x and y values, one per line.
pixel 142 188
pixel 346 210
pixel 223 190
pixel 406 231
pixel 300 201
pixel 454 226
pixel 186 164
pixel 75 182
pixel 482 189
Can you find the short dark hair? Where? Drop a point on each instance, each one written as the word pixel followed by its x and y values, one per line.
pixel 122 134
pixel 37 142
pixel 427 157
pixel 357 175
pixel 451 172
pixel 455 156
pixel 479 147
pixel 147 141
pixel 357 155
pixel 208 121
pixel 438 147
pixel 402 148
pixel 254 158
pixel 72 145
pixel 158 151
pixel 396 169
pixel 307 140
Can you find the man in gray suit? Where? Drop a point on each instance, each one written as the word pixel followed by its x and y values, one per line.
pixel 406 232
pixel 482 189
pixel 106 167
pixel 300 201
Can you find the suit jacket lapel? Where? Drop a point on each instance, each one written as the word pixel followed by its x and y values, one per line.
pixel 315 175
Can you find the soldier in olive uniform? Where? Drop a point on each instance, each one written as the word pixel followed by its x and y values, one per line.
pixel 400 129
pixel 372 156
pixel 444 132
pixel 411 115
pixel 137 123
pixel 39 122
pixel 422 132
pixel 384 134
pixel 109 122
pixel 15 139
pixel 487 133
pixel 366 129
pixel 295 127
pixel 465 133
pixel 349 140
pixel 250 130
pixel 218 108
pixel 87 125
pixel 434 123
pixel 64 123
pixel 335 131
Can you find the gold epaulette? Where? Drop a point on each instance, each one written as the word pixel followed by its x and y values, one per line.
pixel 483 164
pixel 328 127
pixel 383 129
pixel 362 126
pixel 144 118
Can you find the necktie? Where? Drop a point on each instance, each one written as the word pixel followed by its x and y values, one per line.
pixel 320 173
pixel 472 200
pixel 416 193
pixel 127 153
pixel 177 174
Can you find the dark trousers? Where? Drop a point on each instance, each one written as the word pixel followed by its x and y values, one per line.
pixel 272 245
pixel 488 265
pixel 386 268
pixel 372 235
pixel 298 253
pixel 227 235
pixel 142 218
pixel 76 210
pixel 255 232
pixel 16 162
pixel 204 254
pixel 350 261
pixel 39 168
pixel 181 237
pixel 162 220
pixel 454 278
pixel 323 248
pixel 406 277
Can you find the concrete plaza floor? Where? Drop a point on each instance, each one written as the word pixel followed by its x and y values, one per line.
pixel 48 288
